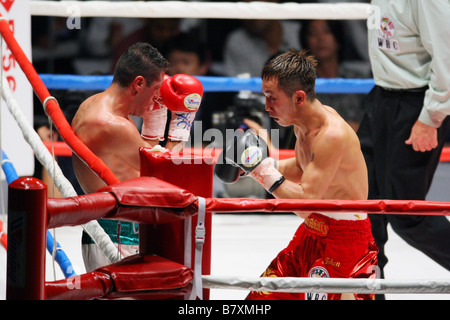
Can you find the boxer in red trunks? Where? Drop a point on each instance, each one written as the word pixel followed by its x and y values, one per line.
pixel 327 248
pixel 328 164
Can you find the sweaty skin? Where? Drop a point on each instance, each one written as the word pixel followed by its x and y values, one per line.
pixel 328 162
pixel 103 122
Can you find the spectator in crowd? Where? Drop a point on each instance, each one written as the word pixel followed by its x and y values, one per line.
pixel 325 41
pixel 154 31
pixel 247 49
pixel 99 37
pixel 54 46
pixel 187 54
pixel 355 39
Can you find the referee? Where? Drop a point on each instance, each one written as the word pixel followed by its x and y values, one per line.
pixel 406 118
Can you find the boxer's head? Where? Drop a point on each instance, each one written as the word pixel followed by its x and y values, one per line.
pixel 141 59
pixel 293 70
pixel 288 82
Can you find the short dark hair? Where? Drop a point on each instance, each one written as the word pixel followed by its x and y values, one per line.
pixel 294 70
pixel 141 59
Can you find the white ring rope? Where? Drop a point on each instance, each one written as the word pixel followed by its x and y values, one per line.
pixel 93 228
pixel 195 9
pixel 291 284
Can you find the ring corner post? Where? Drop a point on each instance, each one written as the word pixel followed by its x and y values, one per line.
pixel 27 216
pixel 176 241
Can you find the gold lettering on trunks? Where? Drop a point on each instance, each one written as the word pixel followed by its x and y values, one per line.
pixel 320 226
pixel 331 262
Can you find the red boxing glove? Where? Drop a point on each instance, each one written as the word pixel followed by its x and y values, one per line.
pixel 182 93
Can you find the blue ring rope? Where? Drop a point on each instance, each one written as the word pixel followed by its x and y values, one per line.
pixel 210 84
pixel 8 169
pixel 60 256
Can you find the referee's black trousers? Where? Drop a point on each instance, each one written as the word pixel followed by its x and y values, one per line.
pixel 396 171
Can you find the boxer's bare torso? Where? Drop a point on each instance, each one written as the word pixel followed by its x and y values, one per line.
pixel 104 125
pixel 328 162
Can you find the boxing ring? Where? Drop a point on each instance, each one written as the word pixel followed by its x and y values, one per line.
pixel 168 200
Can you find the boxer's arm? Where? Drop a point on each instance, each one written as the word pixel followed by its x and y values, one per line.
pixel 153 129
pixel 290 169
pixel 154 120
pixel 154 123
pixel 318 174
pixel 249 153
pixel 122 141
pixel 175 145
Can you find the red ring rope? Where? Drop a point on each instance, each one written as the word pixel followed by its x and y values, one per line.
pixel 3 236
pixel 61 149
pixel 53 110
pixel 152 193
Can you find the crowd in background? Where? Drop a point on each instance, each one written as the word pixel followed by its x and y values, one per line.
pixel 203 47
pixel 221 47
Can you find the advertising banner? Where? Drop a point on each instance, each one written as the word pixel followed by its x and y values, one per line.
pixel 17 13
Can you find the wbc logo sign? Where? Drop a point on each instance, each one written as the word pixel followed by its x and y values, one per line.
pixel 7 4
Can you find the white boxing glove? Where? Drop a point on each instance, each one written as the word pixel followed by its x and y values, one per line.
pixel 180 125
pixel 154 123
pixel 267 174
